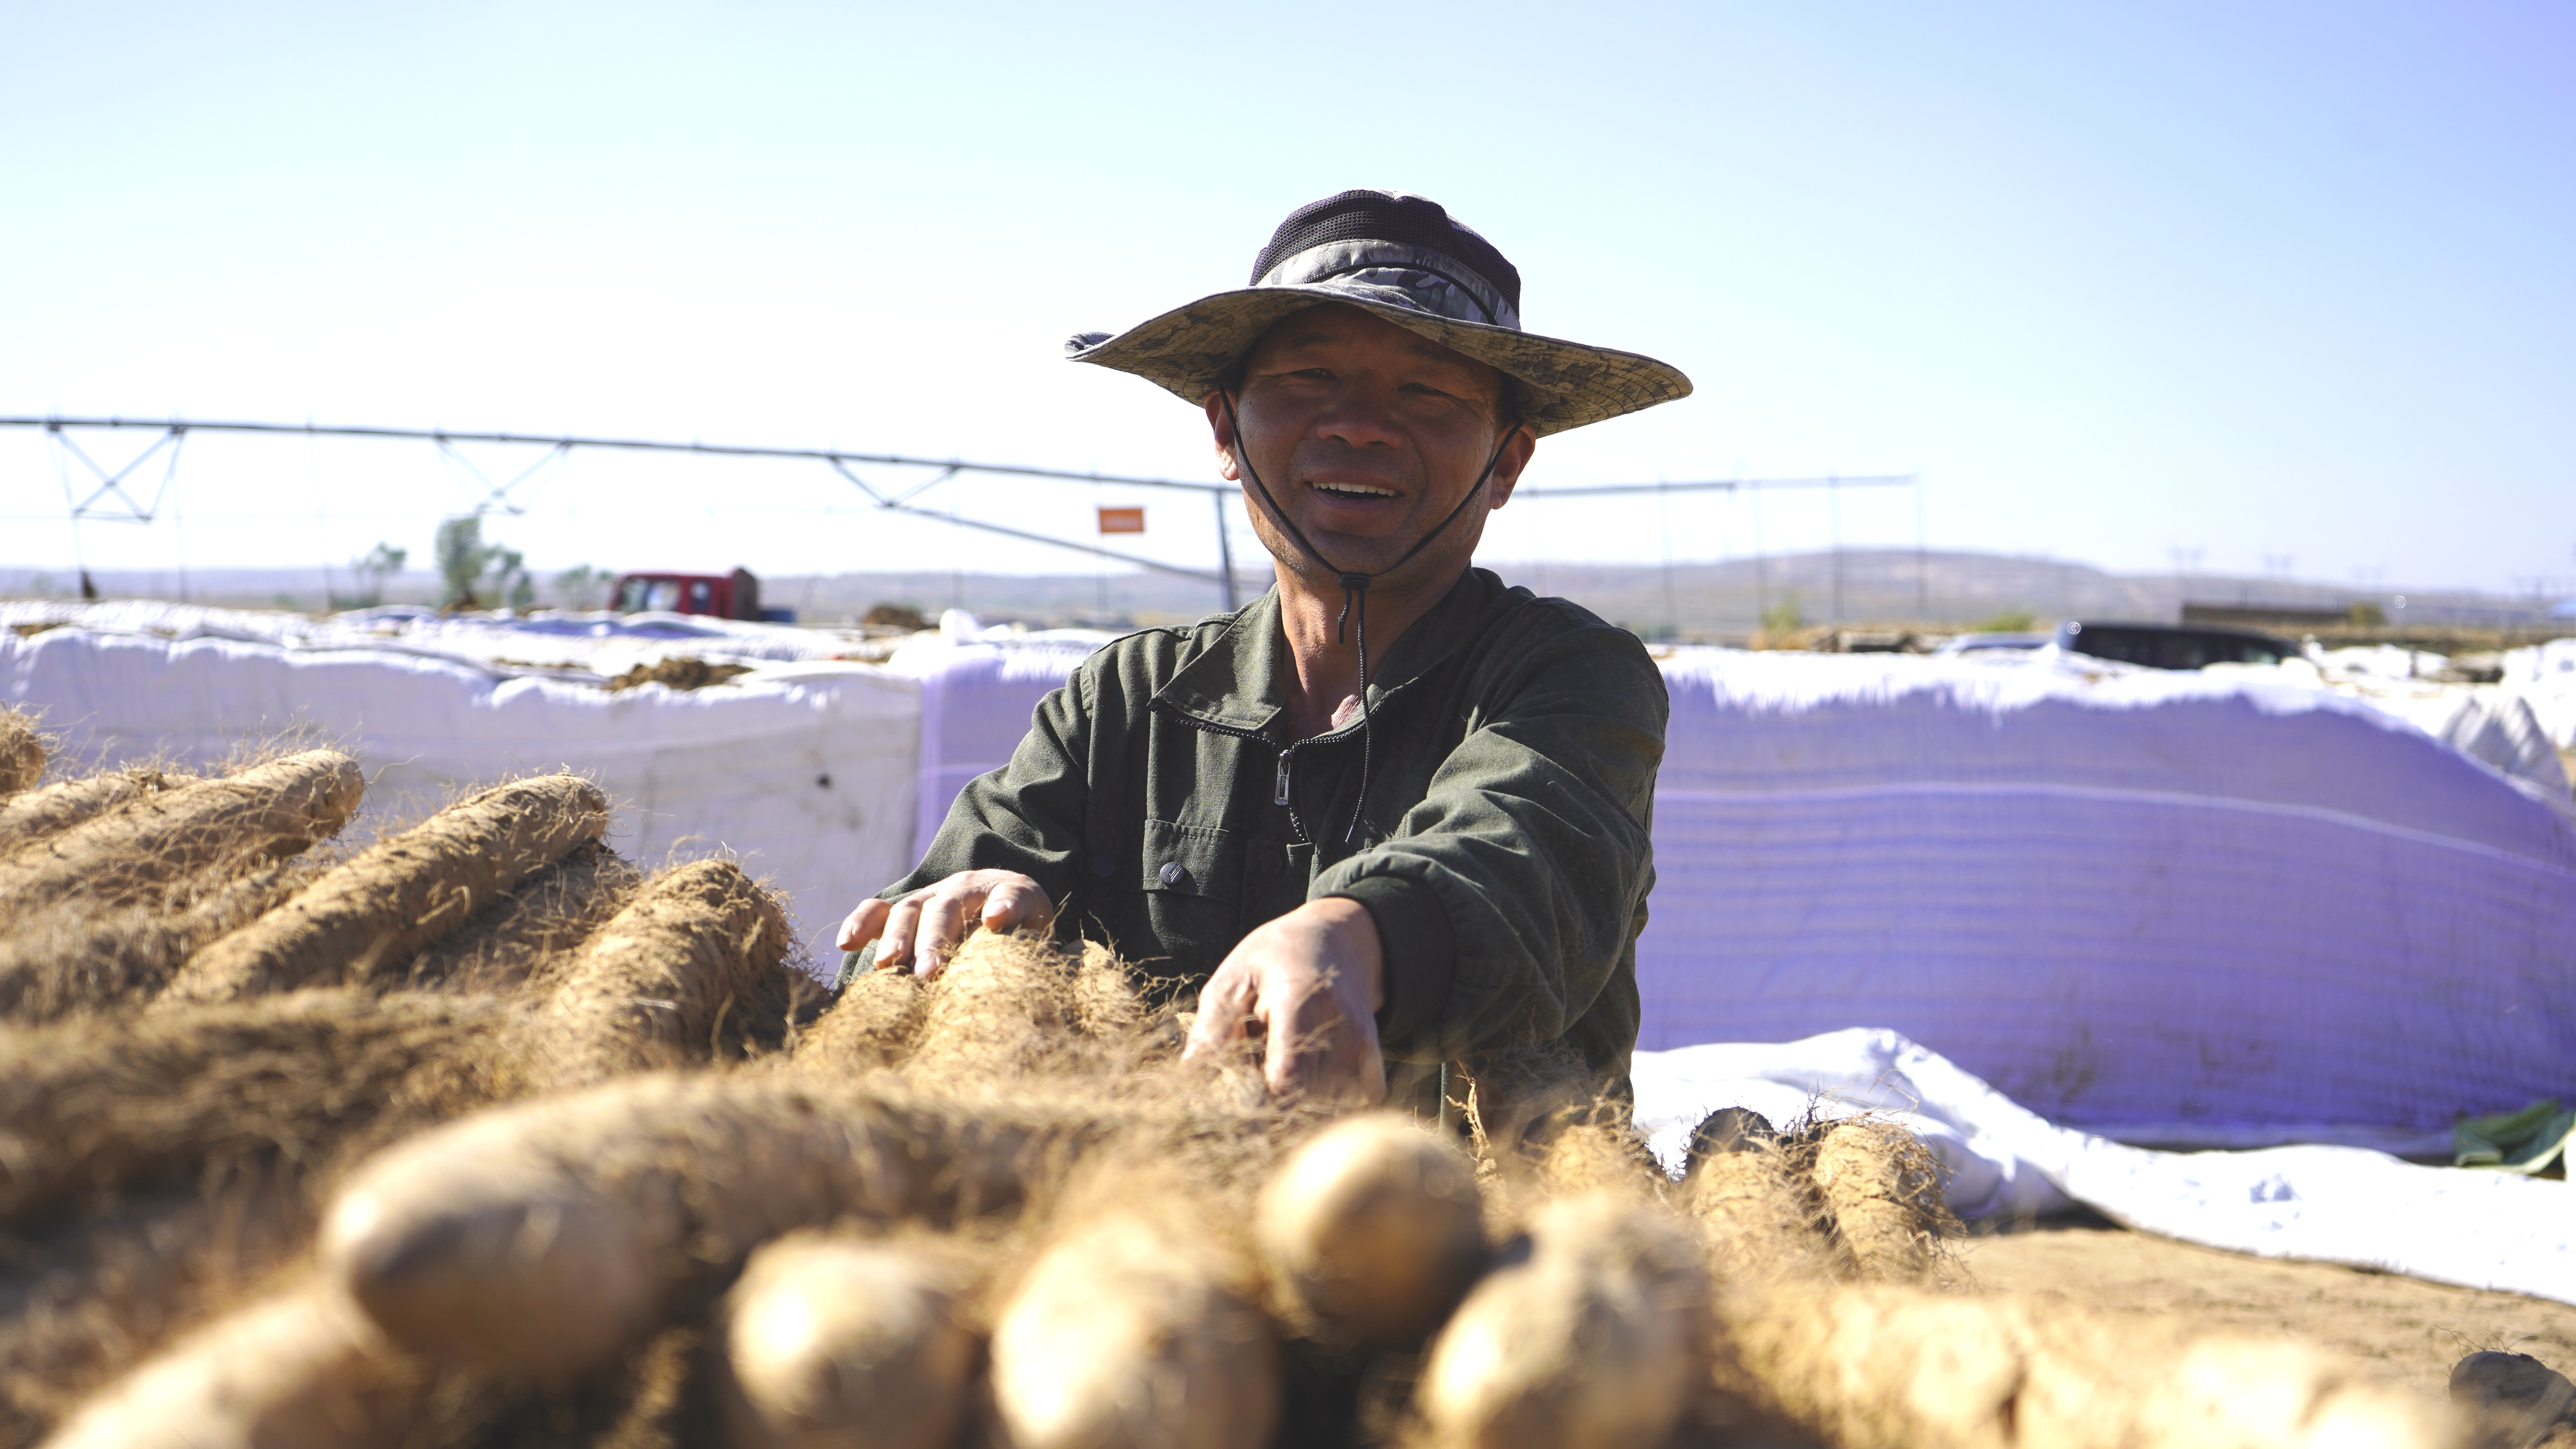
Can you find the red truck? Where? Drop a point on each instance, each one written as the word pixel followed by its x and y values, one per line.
pixel 726 596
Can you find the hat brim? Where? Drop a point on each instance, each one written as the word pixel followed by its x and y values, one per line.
pixel 1566 384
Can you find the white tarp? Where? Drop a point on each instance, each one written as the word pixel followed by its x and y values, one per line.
pixel 2182 909
pixel 806 770
pixel 585 645
pixel 978 689
pixel 2544 677
pixel 2328 1204
pixel 2494 723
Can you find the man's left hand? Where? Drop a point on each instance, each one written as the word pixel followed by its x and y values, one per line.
pixel 1312 981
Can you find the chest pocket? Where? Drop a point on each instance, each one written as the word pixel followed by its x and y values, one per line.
pixel 1192 860
pixel 1275 876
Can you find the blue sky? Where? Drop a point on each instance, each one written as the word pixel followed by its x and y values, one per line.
pixel 2258 281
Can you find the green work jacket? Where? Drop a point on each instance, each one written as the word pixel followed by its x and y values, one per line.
pixel 1503 848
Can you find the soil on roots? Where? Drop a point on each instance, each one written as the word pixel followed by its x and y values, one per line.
pixel 366 918
pixel 1758 1213
pixel 690 969
pixel 102 914
pixel 114 955
pixel 1882 1187
pixel 1007 1006
pixel 27 818
pixel 162 1168
pixel 526 939
pixel 870 1027
pixel 91 1106
pixel 82 1300
pixel 22 752
pixel 266 812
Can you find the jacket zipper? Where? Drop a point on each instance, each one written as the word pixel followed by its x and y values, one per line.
pixel 1279 795
pixel 1287 757
pixel 1279 790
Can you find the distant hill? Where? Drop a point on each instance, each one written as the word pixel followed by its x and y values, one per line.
pixel 1699 600
pixel 1899 585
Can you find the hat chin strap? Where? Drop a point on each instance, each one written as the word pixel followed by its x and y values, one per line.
pixel 1354 584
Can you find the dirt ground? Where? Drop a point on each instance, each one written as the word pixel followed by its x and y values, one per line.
pixel 2417 1329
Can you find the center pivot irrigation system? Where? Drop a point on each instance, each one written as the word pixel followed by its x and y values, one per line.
pixel 106 498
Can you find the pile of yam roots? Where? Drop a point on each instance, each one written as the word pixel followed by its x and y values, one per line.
pixel 481 1135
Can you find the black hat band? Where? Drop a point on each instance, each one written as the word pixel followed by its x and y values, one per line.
pixel 1410 276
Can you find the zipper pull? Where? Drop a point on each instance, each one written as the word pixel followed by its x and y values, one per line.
pixel 1279 792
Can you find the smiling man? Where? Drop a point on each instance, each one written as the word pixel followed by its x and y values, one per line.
pixel 1391 818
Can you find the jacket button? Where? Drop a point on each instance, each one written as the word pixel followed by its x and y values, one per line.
pixel 1172 874
pixel 1271 860
pixel 1104 865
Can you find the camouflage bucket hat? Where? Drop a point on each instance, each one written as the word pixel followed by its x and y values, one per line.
pixel 1402 258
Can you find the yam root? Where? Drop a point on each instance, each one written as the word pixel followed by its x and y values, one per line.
pixel 103 913
pixel 372 913
pixel 267 811
pixel 1519 1099
pixel 1592 1333
pixel 298 1368
pixel 541 1239
pixel 79 955
pixel 2521 1401
pixel 1883 1189
pixel 1002 1006
pixel 1758 1213
pixel 41 812
pixel 1132 1328
pixel 871 1026
pixel 83 1300
pixel 651 987
pixel 528 938
pixel 22 753
pixel 1370 1233
pixel 88 1106
pixel 1107 1007
pixel 1593 1150
pixel 838 1341
pixel 1879 1367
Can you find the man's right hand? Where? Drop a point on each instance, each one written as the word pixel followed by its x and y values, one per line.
pixel 921 930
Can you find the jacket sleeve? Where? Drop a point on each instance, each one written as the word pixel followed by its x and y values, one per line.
pixel 1509 896
pixel 1026 816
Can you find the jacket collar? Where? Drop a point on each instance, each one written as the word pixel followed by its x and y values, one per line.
pixel 1234 684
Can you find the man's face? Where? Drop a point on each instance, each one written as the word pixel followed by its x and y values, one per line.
pixel 1367 436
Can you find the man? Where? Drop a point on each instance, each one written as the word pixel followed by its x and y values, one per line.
pixel 1391 812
